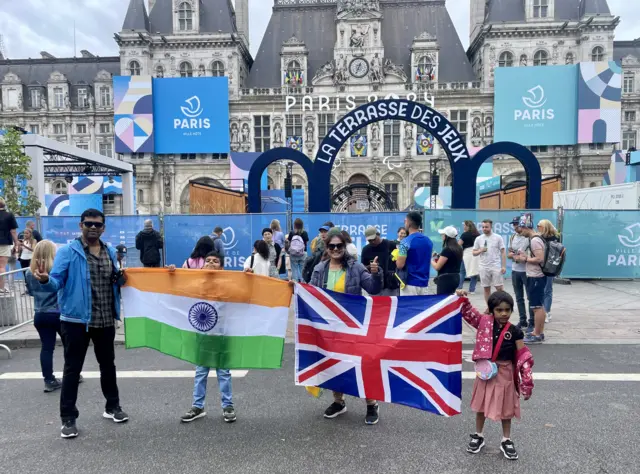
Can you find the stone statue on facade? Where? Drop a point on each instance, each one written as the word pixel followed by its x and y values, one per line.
pixel 277 133
pixel 20 100
pixel 327 70
pixel 234 133
pixel 342 68
pixel 67 102
pixel 358 6
pixel 201 70
pixel 488 127
pixel 309 130
pixel 523 60
pixel 476 127
pixel 245 134
pixel 391 68
pixel 359 36
pixel 375 73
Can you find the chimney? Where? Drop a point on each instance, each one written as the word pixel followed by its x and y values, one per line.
pixel 242 20
pixel 86 54
pixel 46 55
pixel 151 4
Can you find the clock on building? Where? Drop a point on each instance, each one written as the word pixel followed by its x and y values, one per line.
pixel 359 67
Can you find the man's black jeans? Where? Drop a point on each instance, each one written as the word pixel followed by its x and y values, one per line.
pixel 75 339
pixel 519 280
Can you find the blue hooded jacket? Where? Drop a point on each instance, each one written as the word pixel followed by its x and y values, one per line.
pixel 70 276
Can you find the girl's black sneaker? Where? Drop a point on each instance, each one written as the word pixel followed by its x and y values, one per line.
pixel 476 444
pixel 509 450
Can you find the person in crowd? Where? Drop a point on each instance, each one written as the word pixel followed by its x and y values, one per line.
pixel 32 226
pixel 414 257
pixel 381 248
pixel 536 280
pixel 213 261
pixel 85 273
pixel 317 251
pixel 401 235
pixel 298 240
pixel 550 234
pixel 518 245
pixel 204 247
pixel 278 235
pixel 47 311
pixel 27 244
pixel 258 262
pixel 469 267
pixel 489 247
pixel 503 370
pixel 448 262
pixel 149 243
pixel 274 252
pixel 339 272
pixel 217 241
pixel 9 243
pixel 352 250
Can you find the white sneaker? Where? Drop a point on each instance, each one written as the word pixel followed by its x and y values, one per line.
pixel 547 318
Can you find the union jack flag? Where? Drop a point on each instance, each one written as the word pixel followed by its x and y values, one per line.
pixel 405 350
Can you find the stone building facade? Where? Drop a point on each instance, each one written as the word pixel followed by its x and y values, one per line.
pixel 318 59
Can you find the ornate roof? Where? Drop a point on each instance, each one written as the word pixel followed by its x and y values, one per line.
pixel 215 16
pixel 314 22
pixel 513 10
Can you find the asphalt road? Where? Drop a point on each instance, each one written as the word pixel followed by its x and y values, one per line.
pixel 567 427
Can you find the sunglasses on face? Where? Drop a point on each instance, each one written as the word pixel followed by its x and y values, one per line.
pixel 97 225
pixel 335 246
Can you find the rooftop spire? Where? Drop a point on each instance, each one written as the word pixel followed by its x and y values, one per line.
pixel 136 18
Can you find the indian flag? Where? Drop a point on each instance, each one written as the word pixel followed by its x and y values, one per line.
pixel 230 320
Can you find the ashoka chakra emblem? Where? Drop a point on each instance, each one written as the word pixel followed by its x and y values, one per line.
pixel 203 317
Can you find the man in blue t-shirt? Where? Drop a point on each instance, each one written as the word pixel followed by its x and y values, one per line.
pixel 414 257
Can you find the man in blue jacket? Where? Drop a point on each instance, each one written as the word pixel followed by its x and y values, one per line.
pixel 87 273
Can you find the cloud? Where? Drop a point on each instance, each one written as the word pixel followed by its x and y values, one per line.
pixel 30 26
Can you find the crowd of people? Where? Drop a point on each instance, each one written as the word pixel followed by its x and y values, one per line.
pixel 83 310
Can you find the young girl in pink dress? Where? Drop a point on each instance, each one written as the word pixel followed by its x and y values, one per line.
pixel 503 369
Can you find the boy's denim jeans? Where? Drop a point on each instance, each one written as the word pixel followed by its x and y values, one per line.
pixel 200 386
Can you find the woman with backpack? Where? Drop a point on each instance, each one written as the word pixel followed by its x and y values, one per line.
pixel 258 263
pixel 550 234
pixel 298 240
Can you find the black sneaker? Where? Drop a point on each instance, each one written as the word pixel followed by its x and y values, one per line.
pixel 476 444
pixel 372 415
pixel 335 409
pixel 523 325
pixel 193 414
pixel 229 414
pixel 69 429
pixel 52 385
pixel 116 415
pixel 509 450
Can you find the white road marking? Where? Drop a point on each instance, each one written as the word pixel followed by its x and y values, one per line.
pixel 573 377
pixel 188 374
pixel 124 374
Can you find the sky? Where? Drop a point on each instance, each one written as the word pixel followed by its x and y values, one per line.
pixel 31 26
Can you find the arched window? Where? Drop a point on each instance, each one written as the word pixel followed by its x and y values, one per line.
pixel 506 59
pixel 217 69
pixel 425 69
pixel 134 68
pixel 294 74
pixel 159 71
pixel 186 70
pixel 59 187
pixel 597 54
pixel 541 58
pixel 569 58
pixel 294 67
pixel 185 17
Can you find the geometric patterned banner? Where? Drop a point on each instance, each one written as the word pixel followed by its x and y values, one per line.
pixel 599 102
pixel 133 109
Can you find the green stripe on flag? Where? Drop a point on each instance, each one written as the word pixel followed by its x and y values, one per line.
pixel 224 352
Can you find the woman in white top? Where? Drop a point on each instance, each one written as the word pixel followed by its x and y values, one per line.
pixel 27 246
pixel 258 263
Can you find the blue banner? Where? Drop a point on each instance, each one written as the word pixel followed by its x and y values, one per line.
pixel 490 185
pixel 436 220
pixel 240 231
pixel 537 105
pixel 191 115
pixel 602 244
pixel 118 230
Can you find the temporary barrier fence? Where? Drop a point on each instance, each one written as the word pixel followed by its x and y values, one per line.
pixel 16 305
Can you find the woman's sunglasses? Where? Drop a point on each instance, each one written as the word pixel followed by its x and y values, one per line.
pixel 335 246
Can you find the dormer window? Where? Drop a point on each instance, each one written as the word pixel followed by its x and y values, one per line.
pixel 83 98
pixel 36 98
pixel 185 17
pixel 540 8
pixel 597 54
pixel 294 74
pixel 134 68
pixel 186 70
pixel 425 72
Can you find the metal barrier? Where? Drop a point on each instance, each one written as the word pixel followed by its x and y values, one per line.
pixel 16 305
